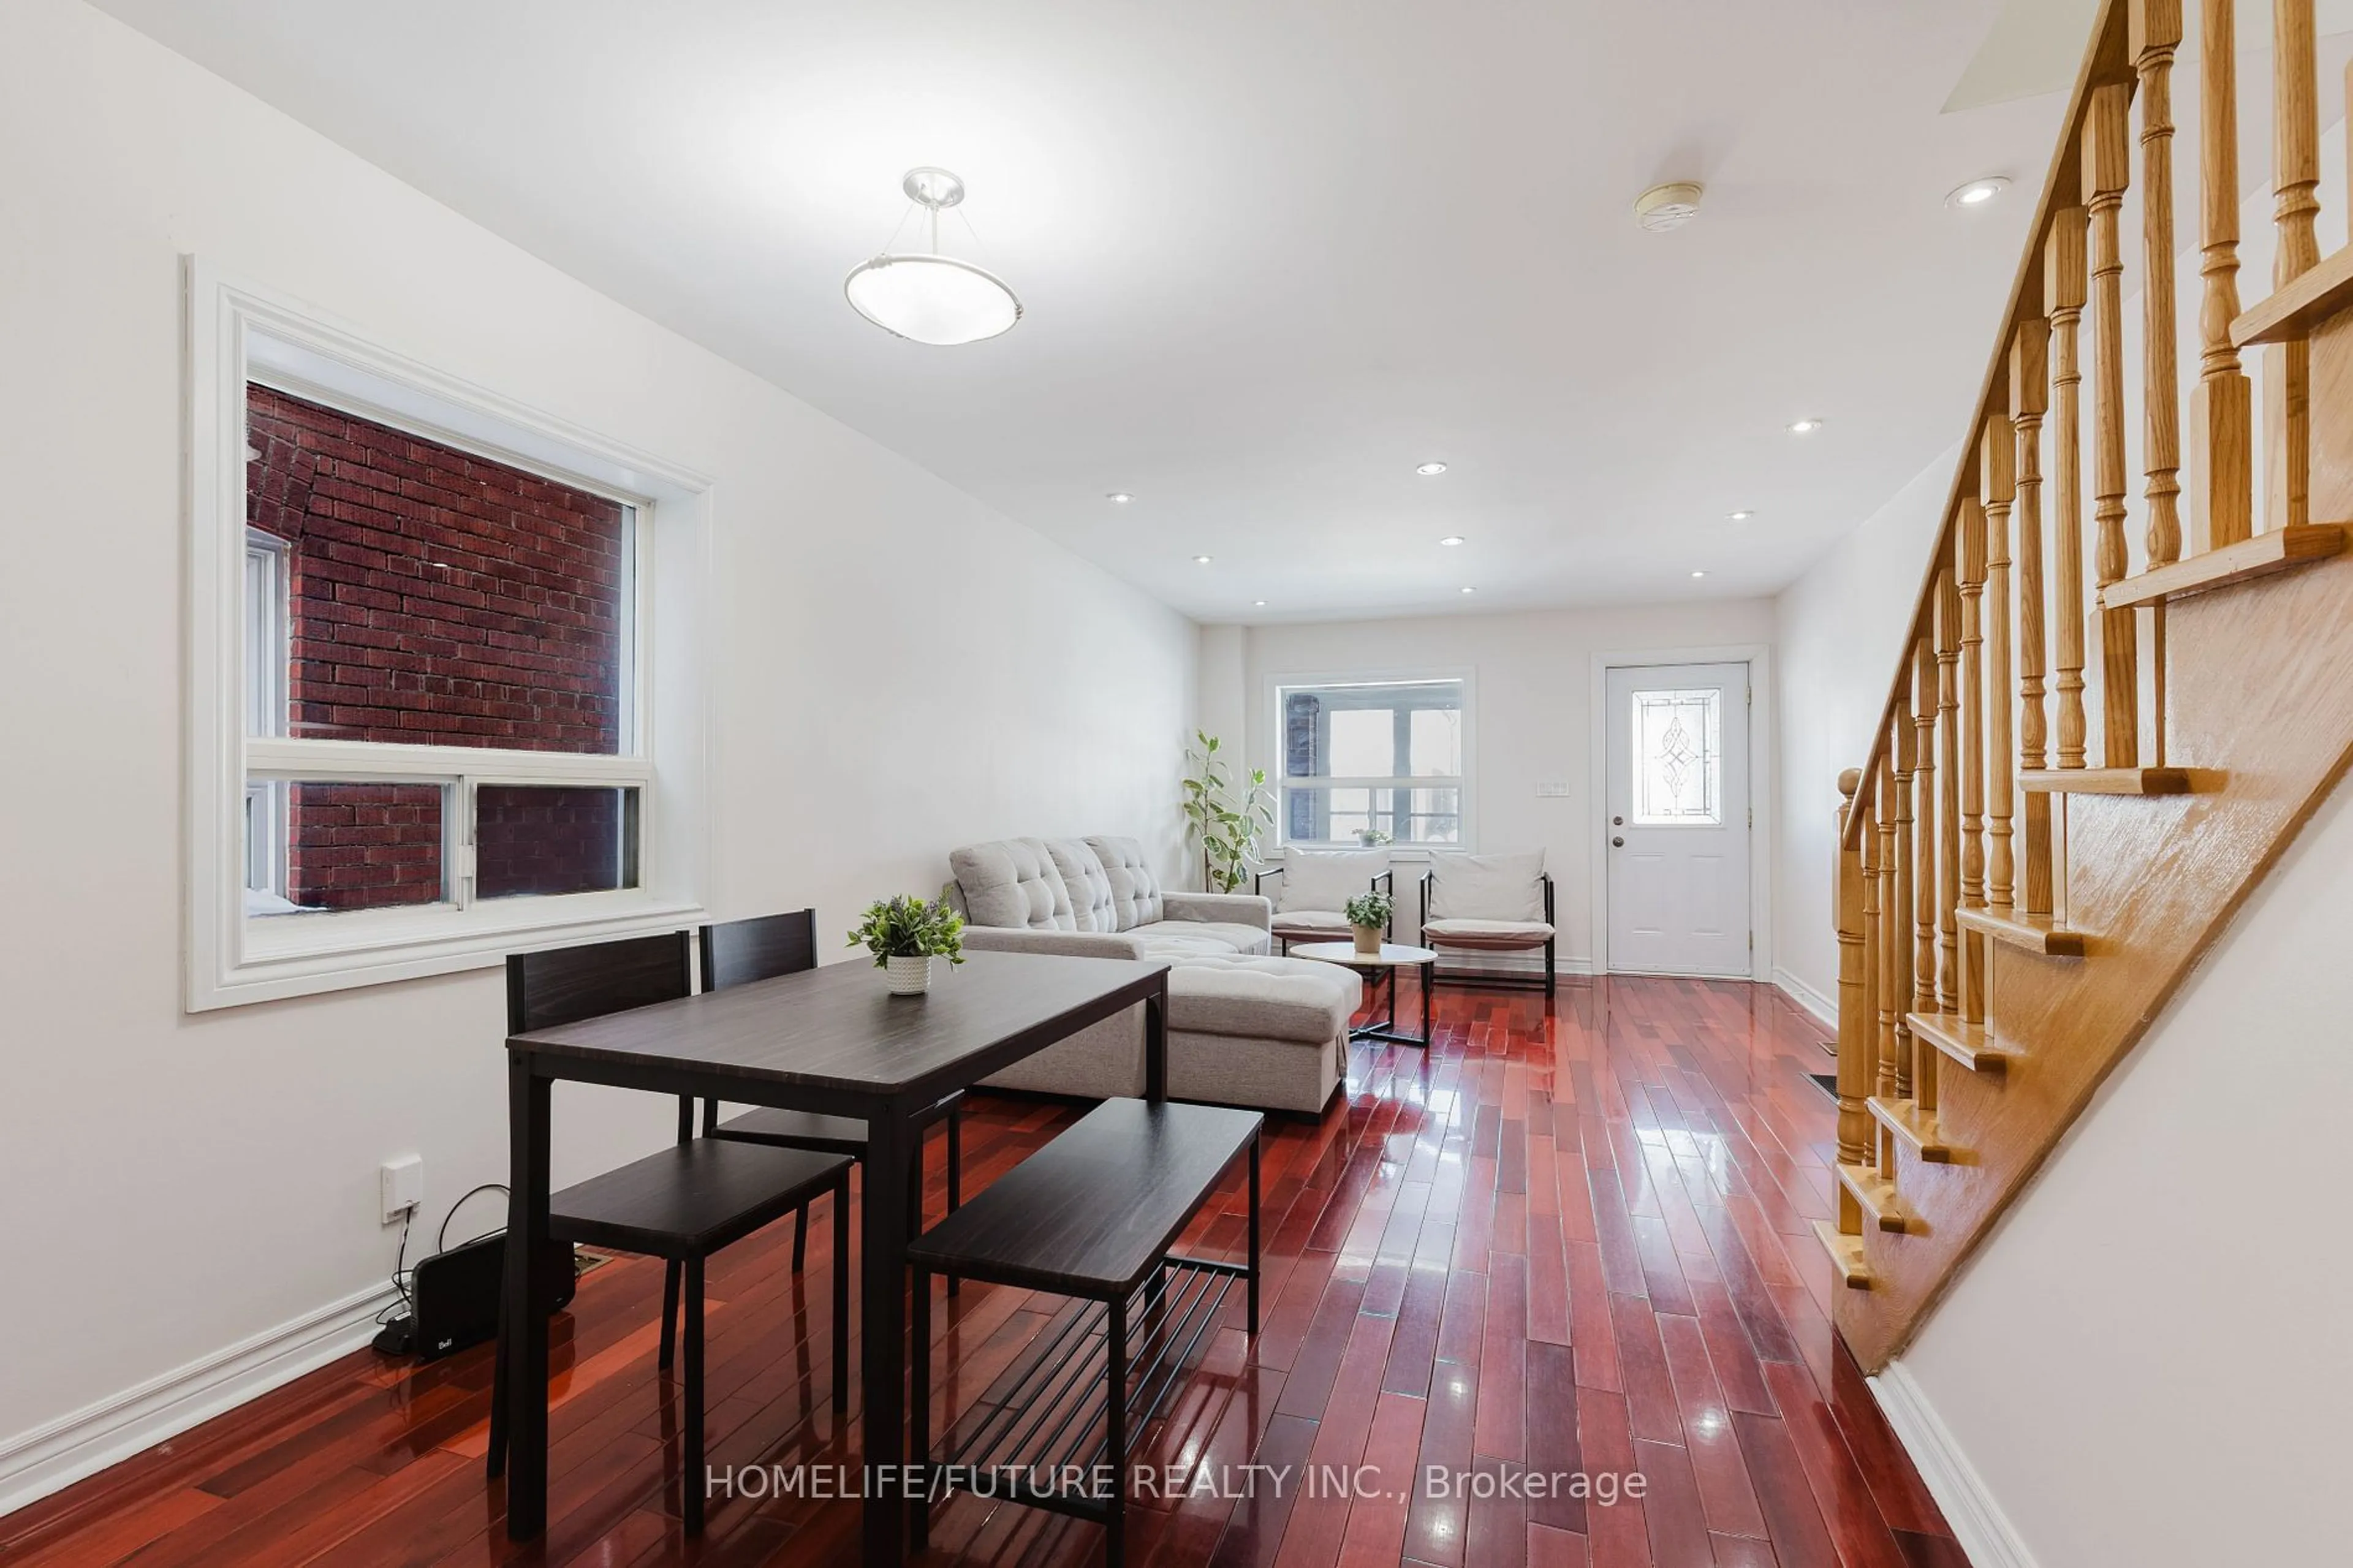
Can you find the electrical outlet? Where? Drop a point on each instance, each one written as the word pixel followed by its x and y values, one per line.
pixel 404 1185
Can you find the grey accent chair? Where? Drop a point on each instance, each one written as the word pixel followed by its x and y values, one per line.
pixel 1486 904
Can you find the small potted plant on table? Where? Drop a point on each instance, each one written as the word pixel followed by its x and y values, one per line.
pixel 905 934
pixel 1368 916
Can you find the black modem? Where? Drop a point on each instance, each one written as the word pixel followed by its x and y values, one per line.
pixel 455 1296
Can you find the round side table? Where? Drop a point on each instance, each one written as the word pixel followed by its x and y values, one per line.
pixel 1381 968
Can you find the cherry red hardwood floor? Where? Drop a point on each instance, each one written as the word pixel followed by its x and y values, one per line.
pixel 1568 1238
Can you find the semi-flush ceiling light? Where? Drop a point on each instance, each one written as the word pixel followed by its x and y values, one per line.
pixel 1120 496
pixel 1431 470
pixel 931 298
pixel 1452 538
pixel 1977 192
pixel 1804 427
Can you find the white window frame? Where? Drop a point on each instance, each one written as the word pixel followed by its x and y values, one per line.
pixel 1276 685
pixel 239 332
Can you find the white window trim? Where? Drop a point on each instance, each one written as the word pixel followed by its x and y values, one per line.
pixel 1270 755
pixel 238 332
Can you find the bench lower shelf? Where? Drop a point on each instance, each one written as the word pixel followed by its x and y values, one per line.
pixel 1039 1434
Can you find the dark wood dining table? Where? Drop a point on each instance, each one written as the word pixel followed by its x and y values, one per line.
pixel 831 1040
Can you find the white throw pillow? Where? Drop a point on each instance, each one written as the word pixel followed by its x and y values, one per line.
pixel 1326 878
pixel 1486 886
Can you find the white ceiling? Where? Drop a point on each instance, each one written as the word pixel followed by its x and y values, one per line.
pixel 1273 255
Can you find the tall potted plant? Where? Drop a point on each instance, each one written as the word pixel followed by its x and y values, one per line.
pixel 905 934
pixel 1225 824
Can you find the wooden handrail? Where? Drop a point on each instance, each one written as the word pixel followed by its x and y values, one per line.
pixel 2105 61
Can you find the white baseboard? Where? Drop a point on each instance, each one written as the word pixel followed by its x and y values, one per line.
pixel 36 1463
pixel 1824 1010
pixel 1984 1532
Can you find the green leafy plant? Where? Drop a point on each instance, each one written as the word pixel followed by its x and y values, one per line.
pixel 909 927
pixel 1370 909
pixel 1226 824
pixel 1371 837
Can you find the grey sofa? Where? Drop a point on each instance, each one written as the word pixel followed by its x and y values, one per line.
pixel 1244 1029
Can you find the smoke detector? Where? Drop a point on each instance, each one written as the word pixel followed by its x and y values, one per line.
pixel 1664 208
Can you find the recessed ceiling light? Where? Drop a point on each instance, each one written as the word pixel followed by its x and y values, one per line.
pixel 1977 192
pixel 1470 590
pixel 1804 427
pixel 1452 538
pixel 1741 516
pixel 1431 470
pixel 1200 561
pixel 1258 604
pixel 1119 496
pixel 1699 573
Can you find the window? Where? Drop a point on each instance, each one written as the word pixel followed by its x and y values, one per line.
pixel 1372 762
pixel 1678 758
pixel 422 724
pixel 411 605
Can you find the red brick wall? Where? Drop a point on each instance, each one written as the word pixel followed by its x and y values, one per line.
pixel 438 598
pixel 365 846
pixel 539 839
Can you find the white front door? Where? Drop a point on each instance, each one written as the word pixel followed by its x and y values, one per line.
pixel 1677 823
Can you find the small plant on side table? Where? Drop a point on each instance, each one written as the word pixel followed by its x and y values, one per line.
pixel 905 933
pixel 1368 916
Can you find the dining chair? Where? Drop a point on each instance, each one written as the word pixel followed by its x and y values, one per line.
pixel 737 953
pixel 683 1203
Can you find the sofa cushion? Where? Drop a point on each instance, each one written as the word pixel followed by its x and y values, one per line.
pixel 1326 878
pixel 1271 998
pixel 1493 936
pixel 1486 886
pixel 1134 891
pixel 1221 936
pixel 1012 882
pixel 1090 884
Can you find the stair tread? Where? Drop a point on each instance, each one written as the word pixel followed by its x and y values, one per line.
pixel 1876 1194
pixel 1846 1252
pixel 1914 1126
pixel 2118 781
pixel 2035 933
pixel 2273 550
pixel 1971 1045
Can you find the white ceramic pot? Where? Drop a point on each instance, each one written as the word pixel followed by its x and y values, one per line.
pixel 1368 940
pixel 908 976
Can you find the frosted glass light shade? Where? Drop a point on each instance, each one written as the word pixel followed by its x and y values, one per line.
pixel 931 300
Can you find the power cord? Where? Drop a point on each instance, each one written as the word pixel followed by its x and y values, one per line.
pixel 441 1242
pixel 397 1319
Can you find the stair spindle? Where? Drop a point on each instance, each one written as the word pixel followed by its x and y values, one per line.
pixel 2153 35
pixel 2295 202
pixel 1948 802
pixel 1925 870
pixel 2221 411
pixel 2028 389
pixel 1969 570
pixel 2062 294
pixel 1996 484
pixel 1854 1077
pixel 1877 1075
pixel 1899 908
pixel 2106 136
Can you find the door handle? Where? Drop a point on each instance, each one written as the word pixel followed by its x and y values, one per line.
pixel 1617 844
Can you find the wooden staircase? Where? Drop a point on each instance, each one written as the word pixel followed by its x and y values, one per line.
pixel 2010 917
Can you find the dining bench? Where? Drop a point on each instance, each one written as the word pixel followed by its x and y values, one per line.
pixel 1091 1215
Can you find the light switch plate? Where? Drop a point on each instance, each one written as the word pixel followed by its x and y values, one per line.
pixel 1552 789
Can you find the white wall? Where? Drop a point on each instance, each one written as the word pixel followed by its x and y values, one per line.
pixel 1839 630
pixel 1532 712
pixel 2147 1364
pixel 902 671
